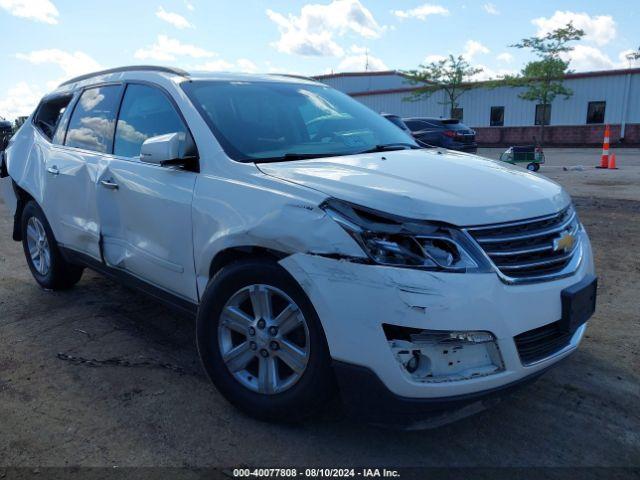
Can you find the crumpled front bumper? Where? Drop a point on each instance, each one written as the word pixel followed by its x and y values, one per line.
pixel 354 300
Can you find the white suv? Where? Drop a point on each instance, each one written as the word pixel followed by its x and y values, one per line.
pixel 319 247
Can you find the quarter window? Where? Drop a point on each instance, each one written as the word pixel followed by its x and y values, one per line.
pixel 49 114
pixel 543 110
pixel 93 120
pixel 595 112
pixel 146 112
pixel 497 117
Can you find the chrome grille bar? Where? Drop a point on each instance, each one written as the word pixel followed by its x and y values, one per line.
pixel 529 250
pixel 524 236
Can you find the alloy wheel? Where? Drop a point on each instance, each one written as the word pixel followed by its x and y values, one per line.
pixel 264 339
pixel 38 245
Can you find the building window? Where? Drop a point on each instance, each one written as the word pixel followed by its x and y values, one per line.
pixel 457 113
pixel 543 109
pixel 497 117
pixel 595 112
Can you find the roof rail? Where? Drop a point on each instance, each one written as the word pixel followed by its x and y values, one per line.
pixel 291 75
pixel 131 68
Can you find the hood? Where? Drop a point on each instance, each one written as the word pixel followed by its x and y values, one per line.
pixel 452 187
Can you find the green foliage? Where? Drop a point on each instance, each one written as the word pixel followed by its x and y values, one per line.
pixel 452 75
pixel 634 55
pixel 543 78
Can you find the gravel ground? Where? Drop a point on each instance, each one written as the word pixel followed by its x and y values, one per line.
pixel 159 409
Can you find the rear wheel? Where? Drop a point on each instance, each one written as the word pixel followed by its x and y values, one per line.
pixel 45 261
pixel 262 344
pixel 533 167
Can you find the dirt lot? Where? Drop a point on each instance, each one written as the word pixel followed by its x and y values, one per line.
pixel 57 412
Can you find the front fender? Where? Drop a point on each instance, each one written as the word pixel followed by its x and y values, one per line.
pixel 286 219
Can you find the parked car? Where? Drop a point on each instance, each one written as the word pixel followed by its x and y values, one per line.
pixel 5 133
pixel 443 132
pixel 318 247
pixel 397 121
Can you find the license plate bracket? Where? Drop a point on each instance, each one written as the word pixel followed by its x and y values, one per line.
pixel 579 303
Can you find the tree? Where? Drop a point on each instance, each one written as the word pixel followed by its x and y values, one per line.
pixel 543 78
pixel 451 74
pixel 631 56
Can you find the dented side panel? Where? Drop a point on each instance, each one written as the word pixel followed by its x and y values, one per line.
pixel 261 212
pixel 70 201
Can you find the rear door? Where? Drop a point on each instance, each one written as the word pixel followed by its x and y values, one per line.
pixel 74 163
pixel 145 209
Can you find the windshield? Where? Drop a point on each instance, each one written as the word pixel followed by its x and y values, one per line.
pixel 265 121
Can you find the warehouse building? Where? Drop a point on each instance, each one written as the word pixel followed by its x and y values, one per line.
pixel 500 117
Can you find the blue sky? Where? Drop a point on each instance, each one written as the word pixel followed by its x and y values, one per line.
pixel 47 41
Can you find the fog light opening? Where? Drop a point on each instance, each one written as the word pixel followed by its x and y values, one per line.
pixel 444 356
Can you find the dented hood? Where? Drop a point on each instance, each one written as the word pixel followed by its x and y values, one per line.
pixel 452 187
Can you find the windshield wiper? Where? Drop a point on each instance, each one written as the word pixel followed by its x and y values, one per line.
pixel 390 147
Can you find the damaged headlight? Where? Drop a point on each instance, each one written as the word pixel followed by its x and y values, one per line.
pixel 396 241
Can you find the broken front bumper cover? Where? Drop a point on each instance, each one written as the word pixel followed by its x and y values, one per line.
pixel 367 399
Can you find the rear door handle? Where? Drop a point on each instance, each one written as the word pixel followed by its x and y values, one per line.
pixel 110 184
pixel 53 170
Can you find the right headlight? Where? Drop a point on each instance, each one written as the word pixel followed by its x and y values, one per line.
pixel 391 240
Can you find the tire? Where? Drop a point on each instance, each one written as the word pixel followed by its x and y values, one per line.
pixel 314 387
pixel 55 273
pixel 533 167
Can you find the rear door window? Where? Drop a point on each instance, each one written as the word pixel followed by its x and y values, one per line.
pixel 93 120
pixel 146 112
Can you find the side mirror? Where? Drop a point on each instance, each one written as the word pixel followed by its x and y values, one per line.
pixel 163 149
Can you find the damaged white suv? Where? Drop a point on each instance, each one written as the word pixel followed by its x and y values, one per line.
pixel 321 250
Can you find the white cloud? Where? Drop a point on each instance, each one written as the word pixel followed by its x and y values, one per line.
pixel 189 6
pixel 174 19
pixel 241 65
pixel 361 62
pixel 19 100
pixel 585 58
pixel 421 12
pixel 599 29
pixel 434 58
pixel 491 9
pixel 168 49
pixel 71 63
pixel 312 32
pixel 38 10
pixel 505 57
pixel 473 48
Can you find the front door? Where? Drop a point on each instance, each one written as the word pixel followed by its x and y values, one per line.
pixel 145 209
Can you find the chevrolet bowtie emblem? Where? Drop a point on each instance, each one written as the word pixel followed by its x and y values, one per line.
pixel 565 242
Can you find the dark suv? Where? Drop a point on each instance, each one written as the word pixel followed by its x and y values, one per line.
pixel 5 133
pixel 443 132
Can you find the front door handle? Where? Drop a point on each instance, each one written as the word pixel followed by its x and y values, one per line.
pixel 110 184
pixel 53 170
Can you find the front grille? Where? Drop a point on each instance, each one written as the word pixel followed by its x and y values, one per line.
pixel 526 249
pixel 541 342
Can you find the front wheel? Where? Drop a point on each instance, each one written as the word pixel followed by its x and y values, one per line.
pixel 46 263
pixel 261 342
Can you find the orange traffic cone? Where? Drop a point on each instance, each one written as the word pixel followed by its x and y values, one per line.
pixel 604 160
pixel 612 162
